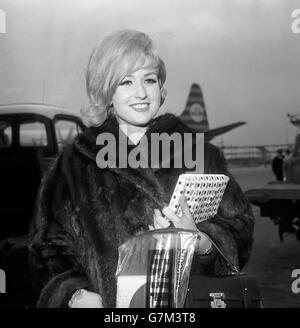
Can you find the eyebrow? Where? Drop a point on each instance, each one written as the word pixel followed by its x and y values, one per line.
pixel 147 74
pixel 150 73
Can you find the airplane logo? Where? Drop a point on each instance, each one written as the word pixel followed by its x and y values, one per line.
pixel 195 116
pixel 197 113
pixel 294 119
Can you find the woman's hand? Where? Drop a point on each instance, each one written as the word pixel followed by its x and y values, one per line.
pixel 159 222
pixel 185 221
pixel 85 299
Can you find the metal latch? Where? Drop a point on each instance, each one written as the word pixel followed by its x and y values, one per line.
pixel 217 300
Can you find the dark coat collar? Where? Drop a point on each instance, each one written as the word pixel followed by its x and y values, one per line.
pixel 143 178
pixel 86 142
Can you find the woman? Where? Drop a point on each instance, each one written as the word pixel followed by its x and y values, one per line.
pixel 84 213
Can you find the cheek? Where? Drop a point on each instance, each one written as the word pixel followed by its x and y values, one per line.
pixel 119 99
pixel 156 95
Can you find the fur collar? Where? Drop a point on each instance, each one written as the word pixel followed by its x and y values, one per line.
pixel 143 179
pixel 86 142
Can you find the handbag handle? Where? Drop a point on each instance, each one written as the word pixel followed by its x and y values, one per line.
pixel 229 263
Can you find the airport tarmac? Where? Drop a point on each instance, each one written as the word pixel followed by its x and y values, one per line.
pixel 271 262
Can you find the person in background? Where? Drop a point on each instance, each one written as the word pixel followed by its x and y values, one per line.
pixel 287 159
pixel 292 163
pixel 277 165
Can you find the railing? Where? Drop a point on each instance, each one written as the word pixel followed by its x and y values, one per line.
pixel 253 155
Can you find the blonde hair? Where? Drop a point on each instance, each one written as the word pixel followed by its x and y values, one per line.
pixel 117 55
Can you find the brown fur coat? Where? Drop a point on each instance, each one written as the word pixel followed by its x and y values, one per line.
pixel 84 213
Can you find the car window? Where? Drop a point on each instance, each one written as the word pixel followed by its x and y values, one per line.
pixel 5 134
pixel 33 134
pixel 66 131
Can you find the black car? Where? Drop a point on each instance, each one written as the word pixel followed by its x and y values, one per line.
pixel 31 135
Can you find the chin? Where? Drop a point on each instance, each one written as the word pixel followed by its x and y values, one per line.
pixel 142 120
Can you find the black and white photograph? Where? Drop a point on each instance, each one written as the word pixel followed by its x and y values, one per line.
pixel 150 156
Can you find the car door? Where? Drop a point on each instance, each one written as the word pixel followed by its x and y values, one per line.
pixel 21 170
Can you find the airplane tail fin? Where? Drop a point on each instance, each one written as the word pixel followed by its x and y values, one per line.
pixel 194 114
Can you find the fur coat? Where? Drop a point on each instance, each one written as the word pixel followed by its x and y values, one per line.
pixel 84 213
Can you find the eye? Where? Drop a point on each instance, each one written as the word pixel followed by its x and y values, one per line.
pixel 151 81
pixel 125 82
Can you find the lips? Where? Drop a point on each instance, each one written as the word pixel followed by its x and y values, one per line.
pixel 140 107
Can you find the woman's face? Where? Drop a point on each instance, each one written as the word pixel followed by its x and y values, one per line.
pixel 137 98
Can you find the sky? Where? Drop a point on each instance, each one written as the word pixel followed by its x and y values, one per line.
pixel 243 54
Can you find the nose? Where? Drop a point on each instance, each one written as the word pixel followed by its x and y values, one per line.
pixel 140 91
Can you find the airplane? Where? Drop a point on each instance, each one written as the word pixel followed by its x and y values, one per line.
pixel 194 115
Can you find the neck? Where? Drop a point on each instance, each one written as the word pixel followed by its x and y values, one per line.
pixel 134 133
